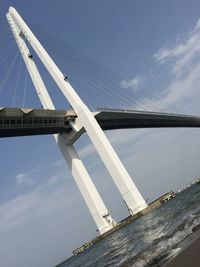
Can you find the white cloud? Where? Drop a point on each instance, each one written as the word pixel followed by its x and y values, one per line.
pixel 181 89
pixel 183 52
pixel 164 54
pixel 24 206
pixel 30 177
pixel 197 26
pixel 35 175
pixel 178 95
pixel 183 57
pixel 40 221
pixel 133 83
pixel 24 178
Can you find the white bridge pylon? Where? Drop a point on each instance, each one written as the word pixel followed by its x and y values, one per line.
pixel 85 119
pixel 89 192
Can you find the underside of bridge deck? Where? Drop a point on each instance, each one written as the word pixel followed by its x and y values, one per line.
pixel 23 122
pixel 123 119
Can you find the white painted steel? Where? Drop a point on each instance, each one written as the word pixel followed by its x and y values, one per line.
pixel 89 192
pixel 123 181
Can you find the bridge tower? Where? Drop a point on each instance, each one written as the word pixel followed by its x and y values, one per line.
pixel 89 192
pixel 85 120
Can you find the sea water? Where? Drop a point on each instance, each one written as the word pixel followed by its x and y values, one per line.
pixel 150 240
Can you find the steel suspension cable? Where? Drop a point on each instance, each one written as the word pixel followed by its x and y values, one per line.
pixel 25 88
pixel 17 82
pixel 99 75
pixel 2 85
pixel 153 98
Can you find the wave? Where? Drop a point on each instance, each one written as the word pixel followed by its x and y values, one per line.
pixel 166 247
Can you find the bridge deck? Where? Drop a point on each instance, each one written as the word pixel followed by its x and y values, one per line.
pixel 22 122
pixel 122 119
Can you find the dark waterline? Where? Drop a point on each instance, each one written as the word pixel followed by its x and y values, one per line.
pixel 150 240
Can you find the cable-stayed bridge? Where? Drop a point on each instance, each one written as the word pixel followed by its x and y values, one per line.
pixel 24 122
pixel 68 125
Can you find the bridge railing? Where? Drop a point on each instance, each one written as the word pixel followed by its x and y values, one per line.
pixel 31 122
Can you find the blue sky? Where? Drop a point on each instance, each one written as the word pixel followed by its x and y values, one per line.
pixel 154 47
